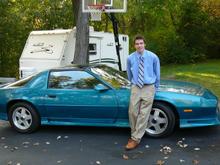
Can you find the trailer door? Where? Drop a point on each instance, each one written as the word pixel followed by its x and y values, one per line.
pixel 94 50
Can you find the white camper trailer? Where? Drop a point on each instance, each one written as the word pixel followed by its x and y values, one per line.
pixel 53 48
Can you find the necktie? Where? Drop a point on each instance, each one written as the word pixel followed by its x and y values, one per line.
pixel 140 82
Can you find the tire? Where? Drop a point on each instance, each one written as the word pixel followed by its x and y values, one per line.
pixel 23 117
pixel 162 121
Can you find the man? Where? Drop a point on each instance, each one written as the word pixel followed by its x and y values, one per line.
pixel 143 69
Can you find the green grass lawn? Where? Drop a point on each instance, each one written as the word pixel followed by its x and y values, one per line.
pixel 206 74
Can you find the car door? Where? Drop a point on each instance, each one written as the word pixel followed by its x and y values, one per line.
pixel 71 96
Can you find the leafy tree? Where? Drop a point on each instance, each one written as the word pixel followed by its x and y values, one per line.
pixel 178 31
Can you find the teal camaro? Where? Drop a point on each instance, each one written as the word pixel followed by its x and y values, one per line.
pixel 99 96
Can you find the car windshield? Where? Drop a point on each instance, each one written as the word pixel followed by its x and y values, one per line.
pixel 114 77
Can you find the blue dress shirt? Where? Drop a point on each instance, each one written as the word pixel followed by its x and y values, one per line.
pixel 151 68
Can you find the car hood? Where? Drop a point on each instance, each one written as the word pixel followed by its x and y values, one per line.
pixel 181 87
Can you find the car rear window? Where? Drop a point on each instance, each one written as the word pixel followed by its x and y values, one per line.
pixel 21 82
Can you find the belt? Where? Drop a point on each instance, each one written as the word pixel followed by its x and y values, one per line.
pixel 144 84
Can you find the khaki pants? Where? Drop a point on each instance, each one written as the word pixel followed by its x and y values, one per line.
pixel 141 101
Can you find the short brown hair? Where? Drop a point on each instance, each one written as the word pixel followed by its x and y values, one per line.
pixel 139 37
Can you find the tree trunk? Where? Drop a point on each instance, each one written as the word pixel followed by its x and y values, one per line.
pixel 82 34
pixel 106 23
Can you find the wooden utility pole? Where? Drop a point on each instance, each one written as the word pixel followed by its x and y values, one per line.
pixel 82 34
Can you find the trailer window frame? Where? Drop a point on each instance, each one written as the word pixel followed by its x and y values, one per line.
pixel 92 49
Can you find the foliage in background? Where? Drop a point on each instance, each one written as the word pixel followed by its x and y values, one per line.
pixel 19 18
pixel 178 31
pixel 205 73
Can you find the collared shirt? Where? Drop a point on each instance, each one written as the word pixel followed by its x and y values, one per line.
pixel 151 68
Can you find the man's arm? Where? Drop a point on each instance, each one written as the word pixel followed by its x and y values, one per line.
pixel 157 72
pixel 129 70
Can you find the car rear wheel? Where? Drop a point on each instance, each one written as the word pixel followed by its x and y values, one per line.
pixel 161 121
pixel 23 118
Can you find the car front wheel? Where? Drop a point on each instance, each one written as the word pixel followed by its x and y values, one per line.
pixel 23 117
pixel 161 121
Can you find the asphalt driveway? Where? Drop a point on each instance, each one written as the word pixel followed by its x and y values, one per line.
pixel 105 146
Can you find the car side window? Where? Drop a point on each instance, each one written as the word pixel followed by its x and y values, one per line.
pixel 70 79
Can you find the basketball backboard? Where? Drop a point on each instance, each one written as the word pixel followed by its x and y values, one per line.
pixel 108 6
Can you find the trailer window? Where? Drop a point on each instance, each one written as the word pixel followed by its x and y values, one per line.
pixel 92 49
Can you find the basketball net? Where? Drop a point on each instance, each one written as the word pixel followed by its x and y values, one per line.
pixel 96 14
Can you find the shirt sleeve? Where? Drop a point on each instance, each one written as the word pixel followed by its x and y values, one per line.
pixel 157 72
pixel 129 70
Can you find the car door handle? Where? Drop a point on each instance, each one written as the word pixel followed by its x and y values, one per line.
pixel 51 96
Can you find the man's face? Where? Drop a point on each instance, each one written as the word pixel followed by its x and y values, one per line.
pixel 139 45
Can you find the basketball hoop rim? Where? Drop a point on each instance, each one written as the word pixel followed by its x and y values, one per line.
pixel 97 7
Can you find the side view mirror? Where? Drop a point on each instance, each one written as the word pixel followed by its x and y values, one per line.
pixel 100 87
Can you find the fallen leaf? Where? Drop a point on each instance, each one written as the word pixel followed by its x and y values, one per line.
pixel 59 161
pixel 185 145
pixel 25 143
pixel 2 138
pixel 36 144
pixel 182 161
pixel 195 161
pixel 12 149
pixel 181 144
pixel 166 150
pixel 98 162
pixel 125 157
pixel 197 149
pixel 9 163
pixel 160 162
pixel 147 146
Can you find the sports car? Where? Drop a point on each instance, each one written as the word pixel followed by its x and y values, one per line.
pixel 98 95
